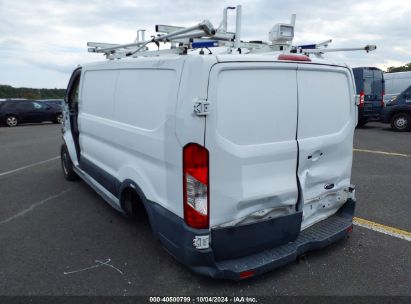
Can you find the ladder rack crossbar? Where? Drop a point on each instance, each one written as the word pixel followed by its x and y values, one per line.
pixel 366 48
pixel 204 28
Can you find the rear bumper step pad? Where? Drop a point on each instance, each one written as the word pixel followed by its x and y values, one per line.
pixel 314 237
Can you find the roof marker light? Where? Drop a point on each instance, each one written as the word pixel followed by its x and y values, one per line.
pixel 290 57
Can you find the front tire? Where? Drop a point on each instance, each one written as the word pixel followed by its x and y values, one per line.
pixel 12 120
pixel 67 165
pixel 401 122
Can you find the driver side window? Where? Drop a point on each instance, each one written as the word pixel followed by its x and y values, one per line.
pixel 74 92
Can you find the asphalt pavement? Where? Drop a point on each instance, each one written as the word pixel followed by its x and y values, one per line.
pixel 61 238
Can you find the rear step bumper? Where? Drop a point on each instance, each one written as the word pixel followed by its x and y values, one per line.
pixel 177 238
pixel 314 237
pixel 373 113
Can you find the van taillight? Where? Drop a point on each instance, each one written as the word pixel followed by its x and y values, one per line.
pixel 382 100
pixel 361 99
pixel 195 186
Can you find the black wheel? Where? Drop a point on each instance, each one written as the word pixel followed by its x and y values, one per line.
pixel 11 121
pixel 58 119
pixel 133 207
pixel 67 165
pixel 361 123
pixel 129 204
pixel 401 122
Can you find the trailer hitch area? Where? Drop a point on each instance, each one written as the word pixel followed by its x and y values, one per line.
pixel 300 258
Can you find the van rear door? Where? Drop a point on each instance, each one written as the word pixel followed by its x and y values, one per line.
pixel 251 138
pixel 326 122
pixel 373 88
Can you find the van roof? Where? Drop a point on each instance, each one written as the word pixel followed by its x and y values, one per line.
pixel 259 57
pixel 368 68
pixel 397 75
pixel 264 57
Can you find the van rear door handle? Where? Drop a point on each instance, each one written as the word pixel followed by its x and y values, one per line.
pixel 315 156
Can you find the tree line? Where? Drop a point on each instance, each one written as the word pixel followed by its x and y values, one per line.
pixel 7 91
pixel 403 68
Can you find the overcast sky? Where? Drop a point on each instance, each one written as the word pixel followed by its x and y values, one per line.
pixel 42 41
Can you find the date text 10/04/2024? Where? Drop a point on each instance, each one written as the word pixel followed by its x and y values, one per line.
pixel 203 299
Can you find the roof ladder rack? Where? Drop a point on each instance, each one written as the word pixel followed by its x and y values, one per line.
pixel 205 35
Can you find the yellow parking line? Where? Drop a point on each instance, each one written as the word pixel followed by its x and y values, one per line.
pixel 395 232
pixel 381 152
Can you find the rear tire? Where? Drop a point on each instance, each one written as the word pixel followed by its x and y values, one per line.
pixel 12 121
pixel 67 165
pixel 401 122
pixel 361 123
pixel 133 207
pixel 58 119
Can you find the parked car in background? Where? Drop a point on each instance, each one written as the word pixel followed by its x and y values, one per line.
pixel 14 112
pixel 369 82
pixel 395 84
pixel 397 111
pixel 56 102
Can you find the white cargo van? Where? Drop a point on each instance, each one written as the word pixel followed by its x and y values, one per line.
pixel 235 157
